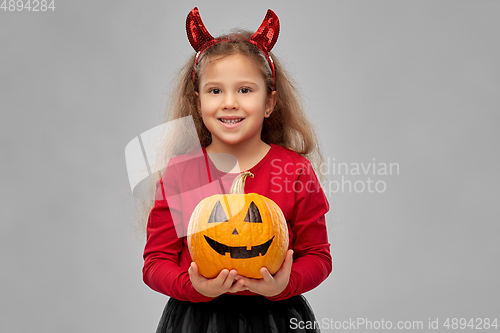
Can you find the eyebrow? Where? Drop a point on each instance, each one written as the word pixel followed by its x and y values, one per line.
pixel 237 83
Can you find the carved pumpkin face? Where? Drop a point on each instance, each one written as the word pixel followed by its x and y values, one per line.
pixel 240 231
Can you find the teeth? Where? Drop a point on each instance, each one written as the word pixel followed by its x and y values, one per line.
pixel 231 121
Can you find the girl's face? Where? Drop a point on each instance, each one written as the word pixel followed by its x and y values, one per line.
pixel 233 100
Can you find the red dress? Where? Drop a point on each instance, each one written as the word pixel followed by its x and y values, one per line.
pixel 282 175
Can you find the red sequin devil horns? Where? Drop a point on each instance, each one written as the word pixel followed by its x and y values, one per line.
pixel 264 38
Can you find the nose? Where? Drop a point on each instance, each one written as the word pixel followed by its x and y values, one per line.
pixel 230 101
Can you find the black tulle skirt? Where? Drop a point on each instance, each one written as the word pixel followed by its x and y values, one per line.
pixel 237 314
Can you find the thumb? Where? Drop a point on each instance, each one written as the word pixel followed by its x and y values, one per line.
pixel 193 270
pixel 289 259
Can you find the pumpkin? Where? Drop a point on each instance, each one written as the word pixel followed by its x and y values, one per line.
pixel 237 230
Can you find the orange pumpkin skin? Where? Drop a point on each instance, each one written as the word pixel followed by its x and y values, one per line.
pixel 237 230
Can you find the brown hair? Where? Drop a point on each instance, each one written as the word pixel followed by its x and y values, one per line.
pixel 288 125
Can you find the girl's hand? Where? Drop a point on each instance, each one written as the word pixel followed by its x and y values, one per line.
pixel 270 285
pixel 223 283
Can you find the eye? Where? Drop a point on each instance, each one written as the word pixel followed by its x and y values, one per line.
pixel 214 91
pixel 253 214
pixel 217 214
pixel 245 90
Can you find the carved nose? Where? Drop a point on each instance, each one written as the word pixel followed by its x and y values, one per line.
pixel 235 232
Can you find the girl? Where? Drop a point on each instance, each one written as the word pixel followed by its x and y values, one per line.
pixel 244 104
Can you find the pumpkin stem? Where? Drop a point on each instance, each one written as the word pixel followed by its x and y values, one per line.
pixel 238 186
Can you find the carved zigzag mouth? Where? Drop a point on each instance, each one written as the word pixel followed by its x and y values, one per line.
pixel 239 252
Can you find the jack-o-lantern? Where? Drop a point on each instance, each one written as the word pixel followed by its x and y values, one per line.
pixel 237 230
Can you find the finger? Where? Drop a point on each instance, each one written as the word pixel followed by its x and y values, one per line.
pixel 238 286
pixel 287 263
pixel 228 282
pixel 289 259
pixel 251 284
pixel 219 280
pixel 193 271
pixel 232 275
pixel 193 266
pixel 268 278
pixel 240 279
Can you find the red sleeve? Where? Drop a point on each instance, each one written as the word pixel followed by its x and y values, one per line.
pixel 163 248
pixel 312 260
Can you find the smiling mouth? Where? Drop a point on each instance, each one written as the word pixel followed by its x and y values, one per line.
pixel 230 121
pixel 239 252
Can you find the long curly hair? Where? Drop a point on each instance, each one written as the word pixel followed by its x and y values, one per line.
pixel 288 125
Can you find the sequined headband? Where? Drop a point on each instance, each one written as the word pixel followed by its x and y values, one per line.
pixel 201 40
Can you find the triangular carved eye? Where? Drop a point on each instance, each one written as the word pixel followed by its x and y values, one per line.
pixel 217 214
pixel 253 214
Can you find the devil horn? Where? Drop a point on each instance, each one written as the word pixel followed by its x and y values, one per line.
pixel 197 33
pixel 267 34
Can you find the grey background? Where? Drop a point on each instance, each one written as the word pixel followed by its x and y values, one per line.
pixel 409 82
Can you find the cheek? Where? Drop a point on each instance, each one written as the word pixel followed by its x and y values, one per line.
pixel 256 108
pixel 208 107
